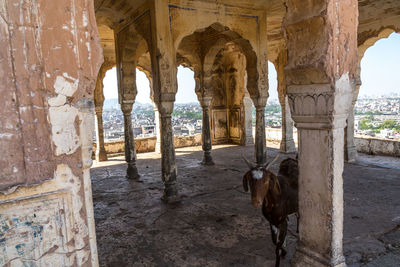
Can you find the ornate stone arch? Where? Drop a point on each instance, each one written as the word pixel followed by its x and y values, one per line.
pixel 132 42
pixel 206 43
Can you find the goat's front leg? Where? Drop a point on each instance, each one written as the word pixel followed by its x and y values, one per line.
pixel 281 240
pixel 282 237
pixel 274 232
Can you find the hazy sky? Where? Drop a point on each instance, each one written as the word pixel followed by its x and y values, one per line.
pixel 380 67
pixel 185 85
pixel 380 74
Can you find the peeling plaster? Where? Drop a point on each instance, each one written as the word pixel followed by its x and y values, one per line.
pixel 64 135
pixel 57 101
pixel 65 85
pixel 54 236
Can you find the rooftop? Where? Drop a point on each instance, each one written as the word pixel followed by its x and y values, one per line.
pixel 215 224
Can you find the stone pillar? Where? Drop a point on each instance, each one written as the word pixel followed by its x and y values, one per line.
pixel 350 149
pixel 168 164
pixel 130 150
pixel 320 84
pixel 287 142
pixel 163 62
pixel 206 131
pixel 158 131
pixel 101 154
pixel 48 68
pixel 248 120
pixel 260 150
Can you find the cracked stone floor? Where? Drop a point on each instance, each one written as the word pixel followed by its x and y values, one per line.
pixel 215 225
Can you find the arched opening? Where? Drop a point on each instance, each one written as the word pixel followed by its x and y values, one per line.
pixel 377 110
pixel 143 119
pixel 273 110
pixel 226 73
pixel 186 117
pixel 112 115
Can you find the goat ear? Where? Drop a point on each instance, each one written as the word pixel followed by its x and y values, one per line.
pixel 245 183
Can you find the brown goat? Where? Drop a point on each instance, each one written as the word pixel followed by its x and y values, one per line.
pixel 278 196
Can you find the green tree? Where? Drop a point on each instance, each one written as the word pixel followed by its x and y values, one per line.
pixel 365 124
pixel 390 124
pixel 370 117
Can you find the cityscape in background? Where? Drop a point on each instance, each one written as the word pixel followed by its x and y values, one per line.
pixel 377 116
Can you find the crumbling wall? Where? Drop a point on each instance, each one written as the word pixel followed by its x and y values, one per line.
pixel 49 59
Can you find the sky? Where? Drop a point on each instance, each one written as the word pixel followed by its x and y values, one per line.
pixel 186 85
pixel 380 74
pixel 380 67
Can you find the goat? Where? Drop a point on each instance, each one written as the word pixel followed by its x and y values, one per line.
pixel 278 196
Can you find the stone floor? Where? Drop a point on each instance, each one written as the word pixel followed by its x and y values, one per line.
pixel 215 225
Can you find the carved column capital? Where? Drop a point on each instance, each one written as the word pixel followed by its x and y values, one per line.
pixel 126 107
pixel 317 106
pixel 166 104
pixel 98 109
pixel 260 102
pixel 205 101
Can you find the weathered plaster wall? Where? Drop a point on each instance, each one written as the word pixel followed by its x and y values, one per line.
pixel 49 58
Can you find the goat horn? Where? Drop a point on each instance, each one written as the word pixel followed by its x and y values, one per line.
pixel 249 164
pixel 268 165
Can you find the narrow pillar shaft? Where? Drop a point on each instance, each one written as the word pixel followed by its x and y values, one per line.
pixel 101 154
pixel 320 197
pixel 248 121
pixel 287 142
pixel 260 144
pixel 158 131
pixel 130 151
pixel 206 132
pixel 350 149
pixel 168 164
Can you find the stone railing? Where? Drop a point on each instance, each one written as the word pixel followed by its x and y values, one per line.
pixel 373 146
pixel 148 144
pixel 377 146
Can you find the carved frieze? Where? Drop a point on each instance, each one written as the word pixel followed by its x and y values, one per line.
pixel 321 106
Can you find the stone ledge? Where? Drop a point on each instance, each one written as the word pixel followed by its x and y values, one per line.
pixel 148 144
pixel 372 146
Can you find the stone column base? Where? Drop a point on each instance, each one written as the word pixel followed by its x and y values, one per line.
pixel 170 194
pixel 249 141
pixel 306 257
pixel 350 154
pixel 207 159
pixel 101 155
pixel 288 146
pixel 158 145
pixel 132 172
